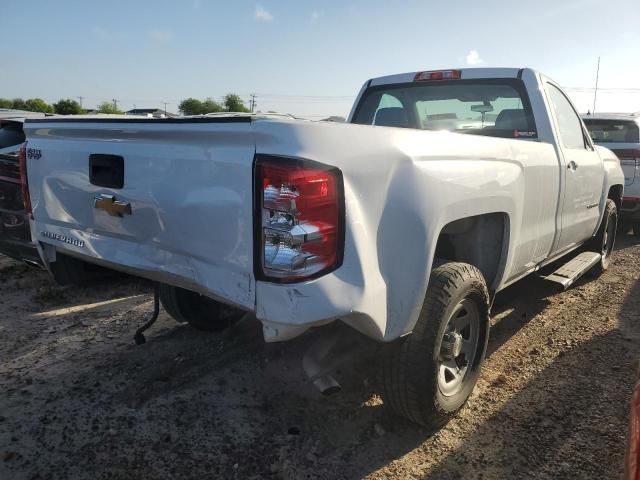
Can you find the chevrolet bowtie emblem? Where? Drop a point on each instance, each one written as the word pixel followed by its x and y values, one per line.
pixel 109 204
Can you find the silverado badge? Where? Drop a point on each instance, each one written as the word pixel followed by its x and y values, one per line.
pixel 109 204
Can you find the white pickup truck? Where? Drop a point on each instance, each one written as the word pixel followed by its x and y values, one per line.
pixel 442 188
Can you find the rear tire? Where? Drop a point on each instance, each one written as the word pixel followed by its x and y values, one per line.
pixel 197 310
pixel 605 239
pixel 428 375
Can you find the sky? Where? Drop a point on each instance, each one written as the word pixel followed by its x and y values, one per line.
pixel 306 57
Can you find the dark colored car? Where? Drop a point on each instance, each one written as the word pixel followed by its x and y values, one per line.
pixel 15 234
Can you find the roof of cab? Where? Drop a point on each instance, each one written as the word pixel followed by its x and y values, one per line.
pixel 634 116
pixel 466 74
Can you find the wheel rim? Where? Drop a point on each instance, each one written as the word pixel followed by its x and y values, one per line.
pixel 458 347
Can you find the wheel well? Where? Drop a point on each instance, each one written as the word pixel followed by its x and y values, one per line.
pixel 479 240
pixel 615 194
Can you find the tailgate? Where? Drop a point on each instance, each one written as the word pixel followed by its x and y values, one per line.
pixel 166 199
pixel 630 163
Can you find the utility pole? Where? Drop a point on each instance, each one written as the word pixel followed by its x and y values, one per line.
pixel 595 92
pixel 115 103
pixel 80 98
pixel 165 108
pixel 253 102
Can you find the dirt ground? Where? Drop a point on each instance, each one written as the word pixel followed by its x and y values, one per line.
pixel 79 400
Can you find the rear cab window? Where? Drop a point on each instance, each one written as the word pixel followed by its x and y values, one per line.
pixel 613 131
pixel 489 107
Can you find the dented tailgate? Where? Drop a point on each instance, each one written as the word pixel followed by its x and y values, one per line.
pixel 169 199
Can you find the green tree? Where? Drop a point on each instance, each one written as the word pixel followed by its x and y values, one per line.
pixel 37 105
pixel 18 104
pixel 210 106
pixel 190 106
pixel 67 107
pixel 233 103
pixel 108 107
pixel 6 103
pixel 193 106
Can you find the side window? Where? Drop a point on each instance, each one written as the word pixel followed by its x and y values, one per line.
pixel 390 113
pixel 569 127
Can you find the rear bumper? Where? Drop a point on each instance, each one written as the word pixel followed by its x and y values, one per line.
pixel 630 207
pixel 15 237
pixel 25 252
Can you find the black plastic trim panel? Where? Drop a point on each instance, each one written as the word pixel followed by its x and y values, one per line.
pixel 70 119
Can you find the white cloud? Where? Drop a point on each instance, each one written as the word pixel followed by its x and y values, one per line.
pixel 160 36
pixel 263 14
pixel 473 58
pixel 100 32
pixel 315 15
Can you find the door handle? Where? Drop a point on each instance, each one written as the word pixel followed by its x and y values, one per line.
pixel 572 165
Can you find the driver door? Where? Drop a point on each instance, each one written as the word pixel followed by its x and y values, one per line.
pixel 582 175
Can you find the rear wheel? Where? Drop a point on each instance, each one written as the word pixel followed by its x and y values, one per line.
pixel 605 238
pixel 199 311
pixel 427 376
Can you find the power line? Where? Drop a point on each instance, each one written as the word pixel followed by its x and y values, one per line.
pixel 595 92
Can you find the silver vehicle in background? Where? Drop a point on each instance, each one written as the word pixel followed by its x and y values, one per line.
pixel 620 132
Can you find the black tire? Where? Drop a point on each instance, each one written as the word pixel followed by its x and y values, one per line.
pixel 605 238
pixel 412 364
pixel 200 312
pixel 636 228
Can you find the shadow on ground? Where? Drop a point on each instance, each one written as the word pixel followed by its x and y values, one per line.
pixel 188 405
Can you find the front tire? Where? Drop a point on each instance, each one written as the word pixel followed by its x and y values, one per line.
pixel 428 375
pixel 200 312
pixel 605 239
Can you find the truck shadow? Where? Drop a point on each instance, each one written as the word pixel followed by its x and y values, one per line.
pixel 227 405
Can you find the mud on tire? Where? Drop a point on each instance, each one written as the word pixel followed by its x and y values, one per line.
pixel 412 365
pixel 199 311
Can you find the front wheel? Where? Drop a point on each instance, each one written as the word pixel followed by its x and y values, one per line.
pixel 199 311
pixel 605 238
pixel 428 375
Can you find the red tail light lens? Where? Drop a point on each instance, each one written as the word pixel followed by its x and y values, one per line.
pixel 24 183
pixel 628 154
pixel 300 218
pixel 438 75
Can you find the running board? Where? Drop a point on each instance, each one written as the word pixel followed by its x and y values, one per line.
pixel 573 270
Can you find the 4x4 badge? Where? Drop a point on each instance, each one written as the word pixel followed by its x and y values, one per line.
pixel 109 204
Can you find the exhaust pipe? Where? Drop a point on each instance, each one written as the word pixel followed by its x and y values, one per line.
pixel 317 366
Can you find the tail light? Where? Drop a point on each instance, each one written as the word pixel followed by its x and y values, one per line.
pixel 438 75
pixel 299 219
pixel 628 155
pixel 24 183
